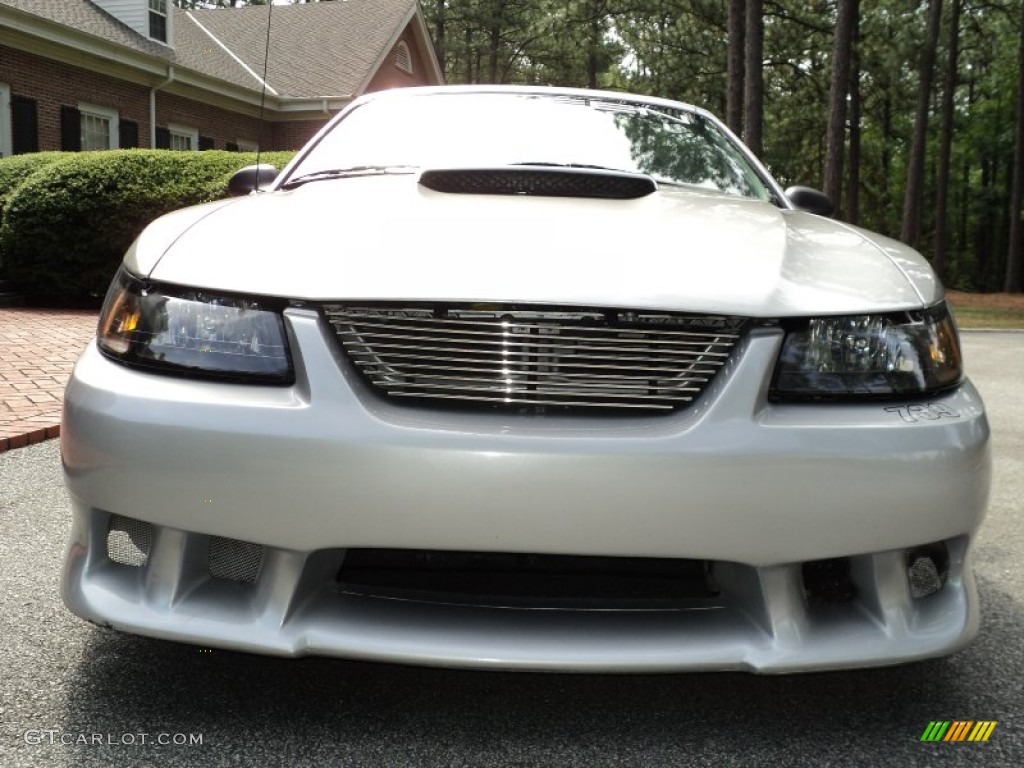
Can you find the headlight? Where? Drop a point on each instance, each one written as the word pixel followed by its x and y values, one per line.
pixel 895 355
pixel 193 333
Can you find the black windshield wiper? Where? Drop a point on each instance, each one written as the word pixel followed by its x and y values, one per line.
pixel 345 173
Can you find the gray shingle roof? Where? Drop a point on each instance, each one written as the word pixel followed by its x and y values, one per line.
pixel 324 49
pixel 195 50
pixel 316 49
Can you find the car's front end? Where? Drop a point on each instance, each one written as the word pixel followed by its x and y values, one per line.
pixel 447 418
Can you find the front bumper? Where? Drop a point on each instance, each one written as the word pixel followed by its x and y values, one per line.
pixel 310 470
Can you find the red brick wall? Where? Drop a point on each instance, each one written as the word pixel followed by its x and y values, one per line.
pixel 53 84
pixel 221 125
pixel 293 134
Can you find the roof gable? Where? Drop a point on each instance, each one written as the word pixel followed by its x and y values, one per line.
pixel 317 50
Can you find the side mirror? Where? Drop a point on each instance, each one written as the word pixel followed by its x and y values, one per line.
pixel 811 200
pixel 251 178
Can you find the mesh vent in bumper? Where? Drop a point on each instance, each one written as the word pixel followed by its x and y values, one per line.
pixel 129 541
pixel 520 356
pixel 235 560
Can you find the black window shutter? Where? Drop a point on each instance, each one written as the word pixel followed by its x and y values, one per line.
pixel 163 138
pixel 205 142
pixel 231 147
pixel 128 134
pixel 70 129
pixel 24 125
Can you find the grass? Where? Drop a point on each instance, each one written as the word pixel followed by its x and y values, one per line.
pixel 987 310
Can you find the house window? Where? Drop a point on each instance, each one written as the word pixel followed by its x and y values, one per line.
pixel 181 142
pixel 158 20
pixel 98 127
pixel 244 145
pixel 183 138
pixel 403 59
pixel 5 120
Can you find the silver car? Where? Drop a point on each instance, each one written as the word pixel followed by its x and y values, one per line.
pixel 527 378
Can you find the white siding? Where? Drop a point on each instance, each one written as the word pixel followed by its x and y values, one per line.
pixel 134 13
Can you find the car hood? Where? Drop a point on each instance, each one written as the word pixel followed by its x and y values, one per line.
pixel 387 237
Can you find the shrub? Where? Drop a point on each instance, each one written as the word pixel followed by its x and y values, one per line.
pixel 67 226
pixel 16 169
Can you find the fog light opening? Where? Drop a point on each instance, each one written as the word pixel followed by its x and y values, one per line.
pixel 927 569
pixel 234 560
pixel 828 581
pixel 129 541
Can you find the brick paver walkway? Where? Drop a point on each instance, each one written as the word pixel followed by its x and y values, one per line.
pixel 38 349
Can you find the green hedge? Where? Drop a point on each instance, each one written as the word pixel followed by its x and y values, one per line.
pixel 16 169
pixel 67 225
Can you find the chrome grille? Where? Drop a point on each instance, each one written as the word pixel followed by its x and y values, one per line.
pixel 536 357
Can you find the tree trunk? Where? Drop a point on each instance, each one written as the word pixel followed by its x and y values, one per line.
pixel 734 66
pixel 439 32
pixel 494 39
pixel 940 243
pixel 914 193
pixel 596 31
pixel 753 78
pixel 1014 254
pixel 856 108
pixel 886 203
pixel 983 228
pixel 835 145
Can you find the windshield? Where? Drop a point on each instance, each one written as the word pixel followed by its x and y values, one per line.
pixel 488 130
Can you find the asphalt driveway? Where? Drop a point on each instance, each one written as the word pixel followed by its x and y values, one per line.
pixel 75 695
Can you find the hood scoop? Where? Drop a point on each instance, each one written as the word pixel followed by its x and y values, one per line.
pixel 540 181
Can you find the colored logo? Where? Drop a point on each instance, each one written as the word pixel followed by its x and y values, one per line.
pixel 958 730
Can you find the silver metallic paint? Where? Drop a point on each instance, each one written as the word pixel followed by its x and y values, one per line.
pixel 354 471
pixel 683 250
pixel 764 626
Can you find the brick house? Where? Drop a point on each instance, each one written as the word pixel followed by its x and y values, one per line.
pixel 103 74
